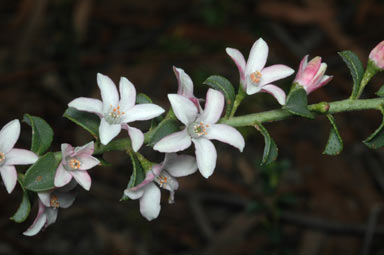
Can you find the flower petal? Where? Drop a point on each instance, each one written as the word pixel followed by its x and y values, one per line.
pixel 51 216
pixel 239 60
pixel 134 194
pixel 127 94
pixel 274 73
pixel 150 202
pixel 62 176
pixel 303 64
pixel 142 112
pixel 180 165
pixel 20 157
pixel 183 108
pixel 67 150
pixel 87 105
pixel 174 142
pixel 87 162
pixel 252 89
pixel 45 197
pixel 85 150
pixel 275 91
pixel 9 175
pixel 136 136
pixel 9 135
pixel 226 134
pixel 185 84
pixel 38 223
pixel 257 57
pixel 214 105
pixel 107 131
pixel 65 199
pixel 108 91
pixel 206 156
pixel 82 178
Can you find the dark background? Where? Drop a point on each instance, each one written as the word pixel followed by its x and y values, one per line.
pixel 306 203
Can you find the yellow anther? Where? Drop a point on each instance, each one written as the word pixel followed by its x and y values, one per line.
pixel 2 156
pixel 74 164
pixel 54 202
pixel 162 181
pixel 255 77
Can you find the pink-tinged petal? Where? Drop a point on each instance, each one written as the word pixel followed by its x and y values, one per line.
pixel 303 64
pixel 51 216
pixel 142 112
pixel 319 75
pixel 275 91
pixel 87 105
pixel 45 197
pixel 257 57
pixel 214 105
pixel 85 150
pixel 252 89
pixel 62 176
pixel 134 194
pixel 206 156
pixel 239 60
pixel 9 135
pixel 174 142
pixel 274 73
pixel 183 108
pixel 38 223
pixel 226 134
pixel 9 175
pixel 82 178
pixel 150 202
pixel 107 131
pixel 108 90
pixel 67 150
pixel 127 94
pixel 308 75
pixel 65 199
pixel 185 84
pixel 20 157
pixel 136 136
pixel 87 162
pixel 180 165
pixel 325 80
pixel 149 177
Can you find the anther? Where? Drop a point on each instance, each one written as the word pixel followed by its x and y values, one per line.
pixel 2 156
pixel 74 164
pixel 255 77
pixel 54 202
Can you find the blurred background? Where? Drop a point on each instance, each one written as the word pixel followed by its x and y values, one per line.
pixel 305 203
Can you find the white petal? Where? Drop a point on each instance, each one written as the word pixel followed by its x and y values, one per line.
pixel 85 150
pixel 87 162
pixel 180 165
pixel 174 142
pixel 108 90
pixel 134 194
pixel 82 178
pixel 185 84
pixel 45 197
pixel 239 60
pixel 257 57
pixel 252 89
pixel 214 105
pixel 67 150
pixel 87 105
pixel 62 176
pixel 183 108
pixel 127 94
pixel 150 202
pixel 9 135
pixel 205 155
pixel 137 138
pixel 274 73
pixel 9 175
pixel 107 131
pixel 142 112
pixel 20 157
pixel 51 215
pixel 226 134
pixel 275 91
pixel 38 223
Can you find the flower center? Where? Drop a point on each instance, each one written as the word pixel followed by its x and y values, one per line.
pixel 74 164
pixel 2 158
pixel 197 129
pixel 255 77
pixel 114 115
pixel 162 181
pixel 54 202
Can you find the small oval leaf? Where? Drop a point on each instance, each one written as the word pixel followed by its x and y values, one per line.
pixel 88 121
pixel 297 102
pixel 376 139
pixel 137 176
pixel 335 143
pixel 355 67
pixel 42 134
pixel 142 98
pixel 270 148
pixel 24 209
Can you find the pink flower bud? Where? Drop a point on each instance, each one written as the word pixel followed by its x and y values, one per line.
pixel 311 74
pixel 377 55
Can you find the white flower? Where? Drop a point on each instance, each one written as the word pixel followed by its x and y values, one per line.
pixel 200 128
pixel 9 156
pixel 75 163
pixel 164 175
pixel 254 76
pixel 115 113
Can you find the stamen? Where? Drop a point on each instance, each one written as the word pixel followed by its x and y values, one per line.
pixel 115 112
pixel 162 180
pixel 200 129
pixel 2 157
pixel 54 202
pixel 255 77
pixel 74 164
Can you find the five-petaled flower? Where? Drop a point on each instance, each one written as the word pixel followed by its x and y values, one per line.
pixel 74 163
pixel 164 175
pixel 311 74
pixel 9 156
pixel 254 77
pixel 115 113
pixel 200 127
pixel 377 55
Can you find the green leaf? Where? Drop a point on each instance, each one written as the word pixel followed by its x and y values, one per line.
pixel 356 68
pixel 138 174
pixel 143 99
pixel 42 134
pixel 166 127
pixel 25 205
pixel 222 84
pixel 88 121
pixel 380 92
pixel 270 148
pixel 297 102
pixel 40 176
pixel 335 143
pixel 376 139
